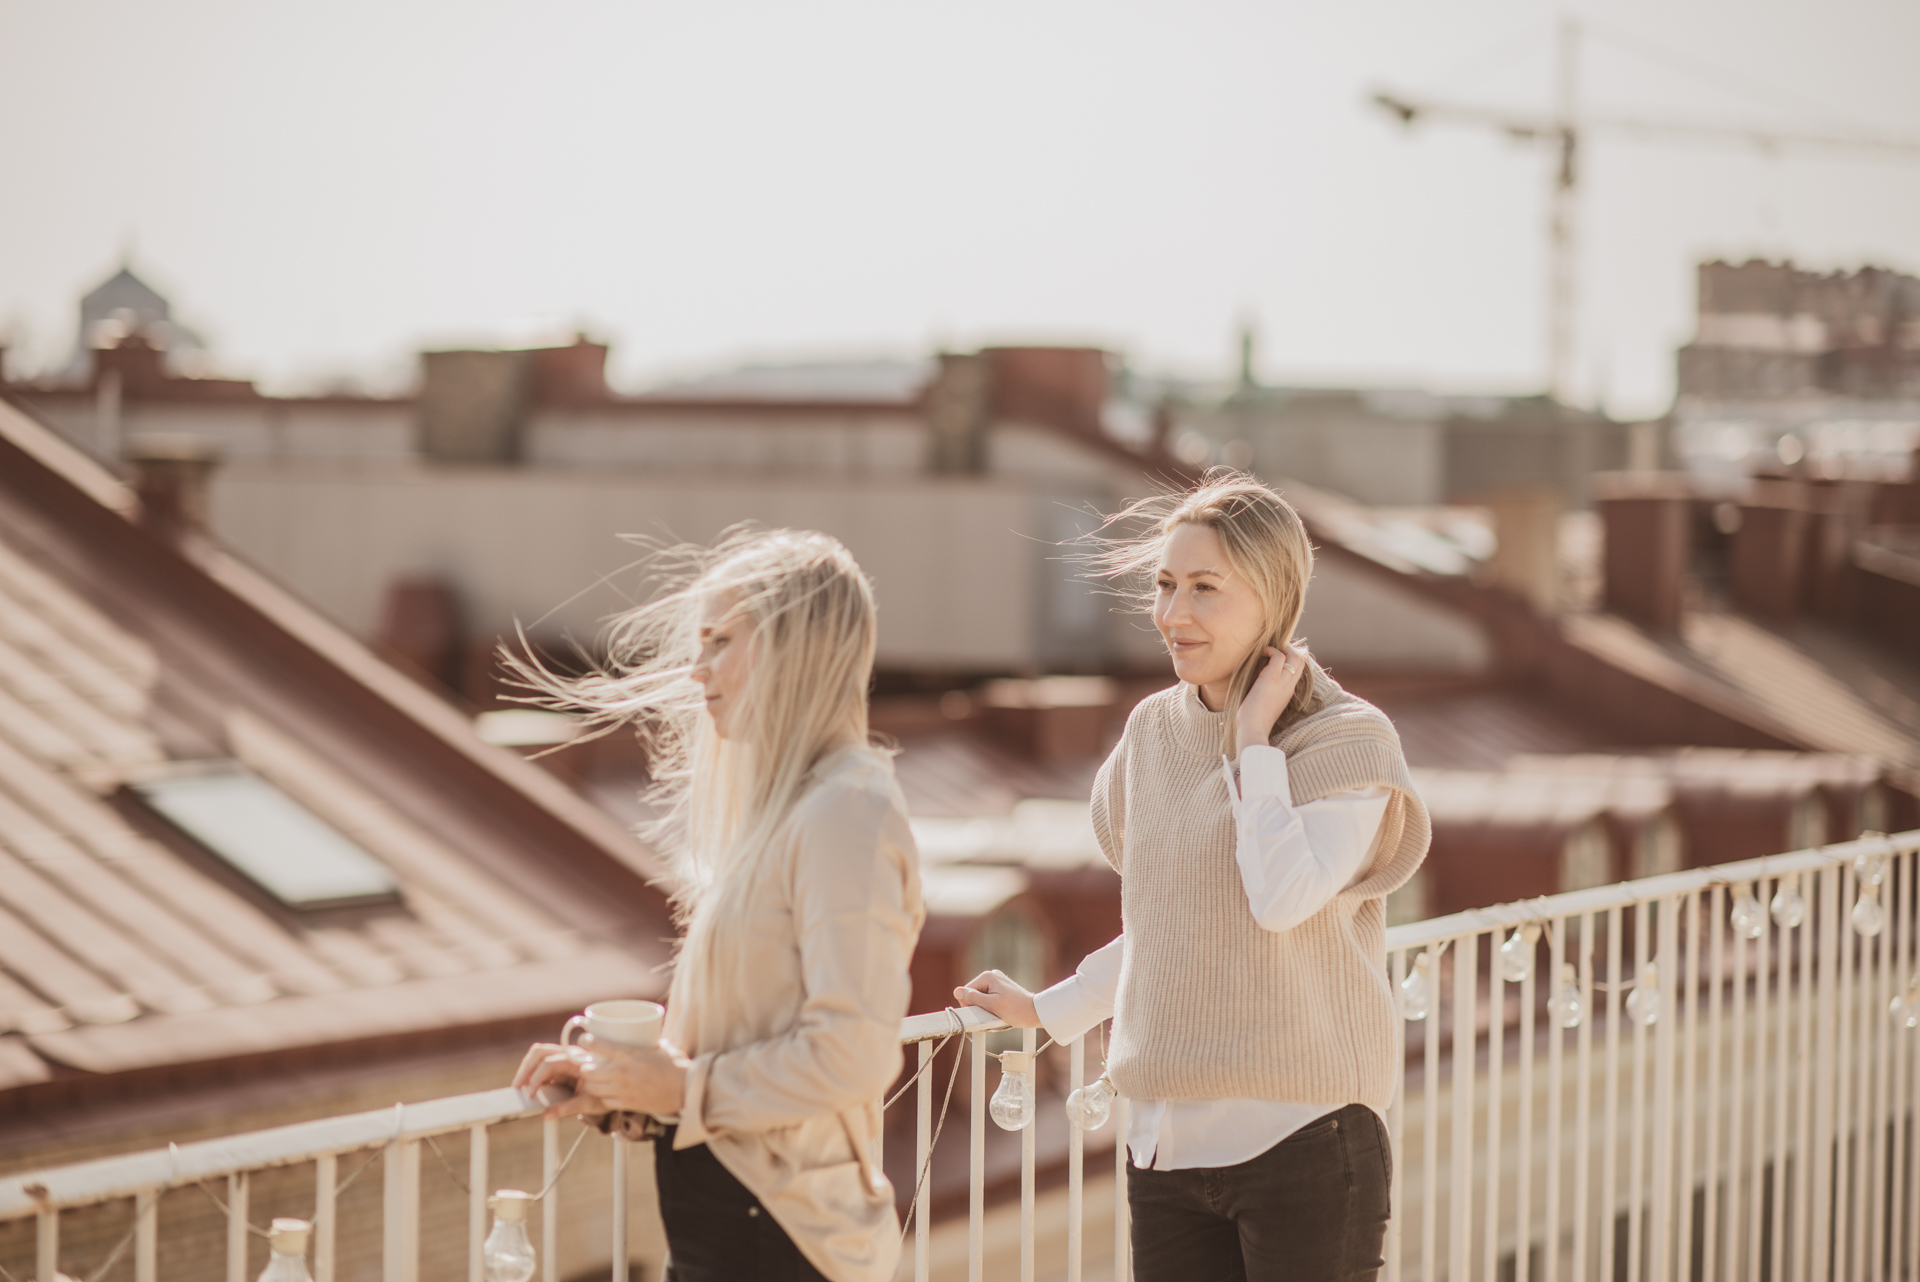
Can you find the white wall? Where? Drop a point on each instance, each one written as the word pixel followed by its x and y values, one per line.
pixel 856 444
pixel 956 570
pixel 1360 620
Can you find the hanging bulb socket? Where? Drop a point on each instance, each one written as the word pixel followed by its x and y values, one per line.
pixel 1089 1107
pixel 1416 990
pixel 1013 1100
pixel 1516 955
pixel 1789 905
pixel 1868 916
pixel 288 1262
pixel 507 1255
pixel 1905 1008
pixel 1643 1003
pixel 1749 922
pixel 510 1204
pixel 1567 1007
pixel 289 1236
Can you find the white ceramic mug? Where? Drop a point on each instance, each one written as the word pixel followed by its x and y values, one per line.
pixel 619 1023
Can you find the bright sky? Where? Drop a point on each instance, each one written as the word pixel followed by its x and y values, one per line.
pixel 320 188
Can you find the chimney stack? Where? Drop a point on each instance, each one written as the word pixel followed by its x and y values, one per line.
pixel 1647 520
pixel 171 472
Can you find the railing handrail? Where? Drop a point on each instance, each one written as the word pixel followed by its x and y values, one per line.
pixel 104 1179
pixel 1625 894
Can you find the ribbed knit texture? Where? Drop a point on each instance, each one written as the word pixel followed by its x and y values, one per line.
pixel 1211 1006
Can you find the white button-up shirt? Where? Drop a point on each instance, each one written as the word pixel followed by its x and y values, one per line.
pixel 1293 860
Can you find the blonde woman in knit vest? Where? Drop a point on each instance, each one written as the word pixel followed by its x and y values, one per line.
pixel 1258 815
pixel 799 886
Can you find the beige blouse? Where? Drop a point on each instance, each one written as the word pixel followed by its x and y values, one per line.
pixel 790 1069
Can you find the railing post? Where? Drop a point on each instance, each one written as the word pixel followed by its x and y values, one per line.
pixel 1028 1038
pixel 146 1236
pixel 1583 1105
pixel 1711 1213
pixel 326 1178
pixel 1556 1056
pixel 237 1228
pixel 977 1162
pixel 1665 1032
pixel 1122 1211
pixel 46 1246
pixel 478 1161
pixel 1076 1153
pixel 1820 1258
pixel 1466 982
pixel 619 1207
pixel 1609 1126
pixel 402 1197
pixel 550 1204
pixel 922 1150
pixel 1523 1180
pixel 1430 1136
pixel 1396 1116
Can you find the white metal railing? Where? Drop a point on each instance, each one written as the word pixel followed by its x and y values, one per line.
pixel 1735 1100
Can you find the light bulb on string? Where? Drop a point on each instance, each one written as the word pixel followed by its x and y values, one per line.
pixel 288 1242
pixel 1789 905
pixel 1012 1105
pixel 1749 922
pixel 1567 1008
pixel 1868 916
pixel 1416 990
pixel 1869 869
pixel 1643 1003
pixel 1905 1008
pixel 507 1255
pixel 1089 1107
pixel 1516 955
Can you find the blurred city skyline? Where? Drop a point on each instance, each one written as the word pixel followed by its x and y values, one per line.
pixel 320 193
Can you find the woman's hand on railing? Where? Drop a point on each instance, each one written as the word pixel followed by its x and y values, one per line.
pixel 1000 997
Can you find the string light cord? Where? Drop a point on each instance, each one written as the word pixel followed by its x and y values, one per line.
pixel 920 1182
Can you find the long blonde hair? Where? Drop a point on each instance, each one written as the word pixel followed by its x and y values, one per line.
pixel 809 619
pixel 1265 543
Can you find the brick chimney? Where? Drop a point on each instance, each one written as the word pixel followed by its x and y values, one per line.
pixel 572 375
pixel 1062 387
pixel 1646 518
pixel 171 472
pixel 140 365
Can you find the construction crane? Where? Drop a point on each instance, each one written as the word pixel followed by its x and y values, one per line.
pixel 1563 131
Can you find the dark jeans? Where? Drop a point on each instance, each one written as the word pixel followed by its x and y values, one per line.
pixel 716 1230
pixel 1313 1208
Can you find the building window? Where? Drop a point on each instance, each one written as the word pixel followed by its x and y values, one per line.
pixel 267 837
pixel 1586 858
pixel 1657 848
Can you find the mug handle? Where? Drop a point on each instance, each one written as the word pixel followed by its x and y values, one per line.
pixel 566 1030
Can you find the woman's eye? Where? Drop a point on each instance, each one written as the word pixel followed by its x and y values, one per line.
pixel 1164 586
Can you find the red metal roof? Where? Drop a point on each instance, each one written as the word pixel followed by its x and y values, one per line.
pixel 125 947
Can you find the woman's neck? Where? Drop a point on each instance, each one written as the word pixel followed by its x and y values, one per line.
pixel 1213 696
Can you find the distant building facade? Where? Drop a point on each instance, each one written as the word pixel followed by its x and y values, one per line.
pixel 1788 364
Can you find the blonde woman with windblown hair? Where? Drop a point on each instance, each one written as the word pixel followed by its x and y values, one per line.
pixel 1258 815
pixel 799 890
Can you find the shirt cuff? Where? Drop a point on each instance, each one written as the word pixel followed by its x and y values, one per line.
pixel 1069 1009
pixel 693 1105
pixel 1263 773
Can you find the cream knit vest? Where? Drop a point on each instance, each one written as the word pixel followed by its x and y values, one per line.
pixel 1211 1006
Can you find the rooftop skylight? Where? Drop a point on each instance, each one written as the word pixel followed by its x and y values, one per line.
pixel 270 838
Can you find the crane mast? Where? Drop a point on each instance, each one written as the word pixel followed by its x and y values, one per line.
pixel 1562 131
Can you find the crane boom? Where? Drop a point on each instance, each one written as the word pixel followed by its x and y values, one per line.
pixel 1563 131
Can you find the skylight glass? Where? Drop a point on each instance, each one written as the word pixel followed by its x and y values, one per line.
pixel 269 837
